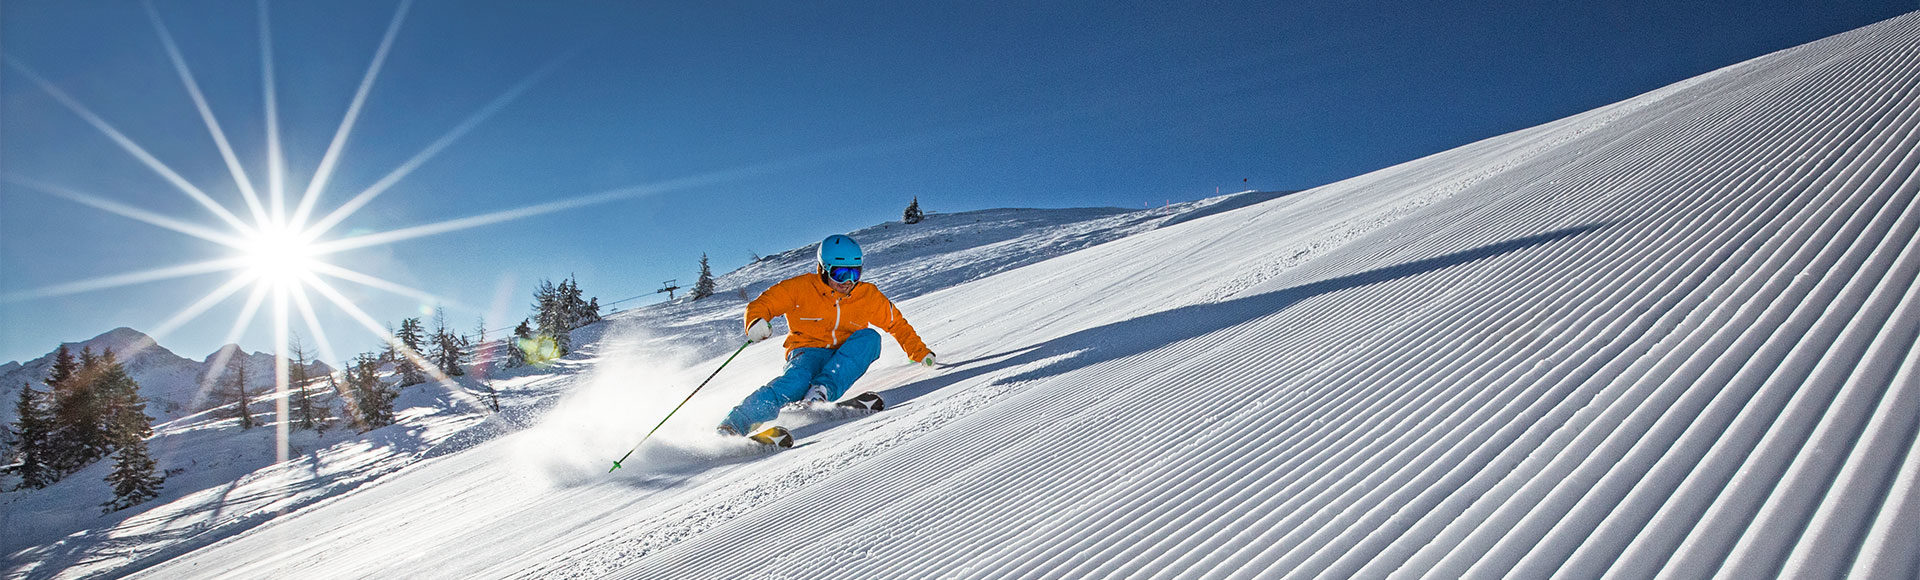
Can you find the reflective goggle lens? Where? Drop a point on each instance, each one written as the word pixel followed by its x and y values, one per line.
pixel 844 273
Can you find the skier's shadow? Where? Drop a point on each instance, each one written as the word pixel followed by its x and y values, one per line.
pixel 1137 335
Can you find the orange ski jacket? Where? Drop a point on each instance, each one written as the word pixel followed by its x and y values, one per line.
pixel 819 317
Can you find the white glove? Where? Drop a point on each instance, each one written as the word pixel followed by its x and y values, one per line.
pixel 759 330
pixel 927 361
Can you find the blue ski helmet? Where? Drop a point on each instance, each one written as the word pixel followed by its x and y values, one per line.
pixel 839 250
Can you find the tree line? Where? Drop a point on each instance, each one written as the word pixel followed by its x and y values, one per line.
pixel 91 409
pixel 546 336
pixel 306 400
pixel 415 354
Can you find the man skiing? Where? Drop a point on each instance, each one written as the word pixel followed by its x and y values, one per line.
pixel 829 344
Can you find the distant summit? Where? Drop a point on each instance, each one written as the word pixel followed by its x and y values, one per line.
pixel 170 382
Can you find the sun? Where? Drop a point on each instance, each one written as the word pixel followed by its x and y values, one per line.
pixel 279 255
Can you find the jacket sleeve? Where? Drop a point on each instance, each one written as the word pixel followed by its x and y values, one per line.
pixel 776 301
pixel 896 324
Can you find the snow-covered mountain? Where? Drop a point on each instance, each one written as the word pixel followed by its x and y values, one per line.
pixel 1674 336
pixel 171 384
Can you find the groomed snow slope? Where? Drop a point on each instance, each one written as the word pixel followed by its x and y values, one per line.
pixel 1674 336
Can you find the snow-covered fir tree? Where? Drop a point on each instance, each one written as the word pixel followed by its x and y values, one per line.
pixel 514 353
pixel 372 401
pixel 567 299
pixel 412 339
pixel 913 214
pixel 32 431
pixel 558 309
pixel 551 318
pixel 579 311
pixel 703 287
pixel 133 478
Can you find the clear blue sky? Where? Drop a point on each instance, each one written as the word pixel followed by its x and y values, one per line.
pixel 773 124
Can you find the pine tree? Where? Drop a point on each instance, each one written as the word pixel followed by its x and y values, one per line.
pixel 63 366
pixel 580 312
pixel 545 296
pixel 78 413
pixel 557 311
pixel 32 432
pixel 516 346
pixel 62 452
pixel 372 400
pixel 703 287
pixel 127 427
pixel 133 478
pixel 449 348
pixel 126 420
pixel 568 298
pixel 552 318
pixel 407 365
pixel 913 215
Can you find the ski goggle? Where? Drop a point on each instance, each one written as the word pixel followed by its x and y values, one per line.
pixel 844 274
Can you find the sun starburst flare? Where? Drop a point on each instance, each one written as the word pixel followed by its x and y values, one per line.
pixel 277 258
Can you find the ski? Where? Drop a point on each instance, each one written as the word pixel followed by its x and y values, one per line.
pixel 779 436
pixel 775 436
pixel 869 401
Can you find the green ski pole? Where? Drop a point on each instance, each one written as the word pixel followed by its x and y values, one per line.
pixel 676 408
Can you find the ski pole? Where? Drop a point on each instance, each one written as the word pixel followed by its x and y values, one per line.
pixel 676 408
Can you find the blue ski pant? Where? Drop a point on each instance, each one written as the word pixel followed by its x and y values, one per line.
pixel 833 368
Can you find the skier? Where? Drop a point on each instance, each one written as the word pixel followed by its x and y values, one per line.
pixel 829 344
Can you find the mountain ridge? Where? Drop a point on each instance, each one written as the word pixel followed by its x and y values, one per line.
pixel 172 384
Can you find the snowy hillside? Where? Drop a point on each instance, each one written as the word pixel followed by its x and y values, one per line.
pixel 905 261
pixel 224 481
pixel 1674 336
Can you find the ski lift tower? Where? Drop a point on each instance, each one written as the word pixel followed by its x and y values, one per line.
pixel 668 287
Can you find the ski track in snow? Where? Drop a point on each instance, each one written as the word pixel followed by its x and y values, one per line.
pixel 1669 383
pixel 1671 337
